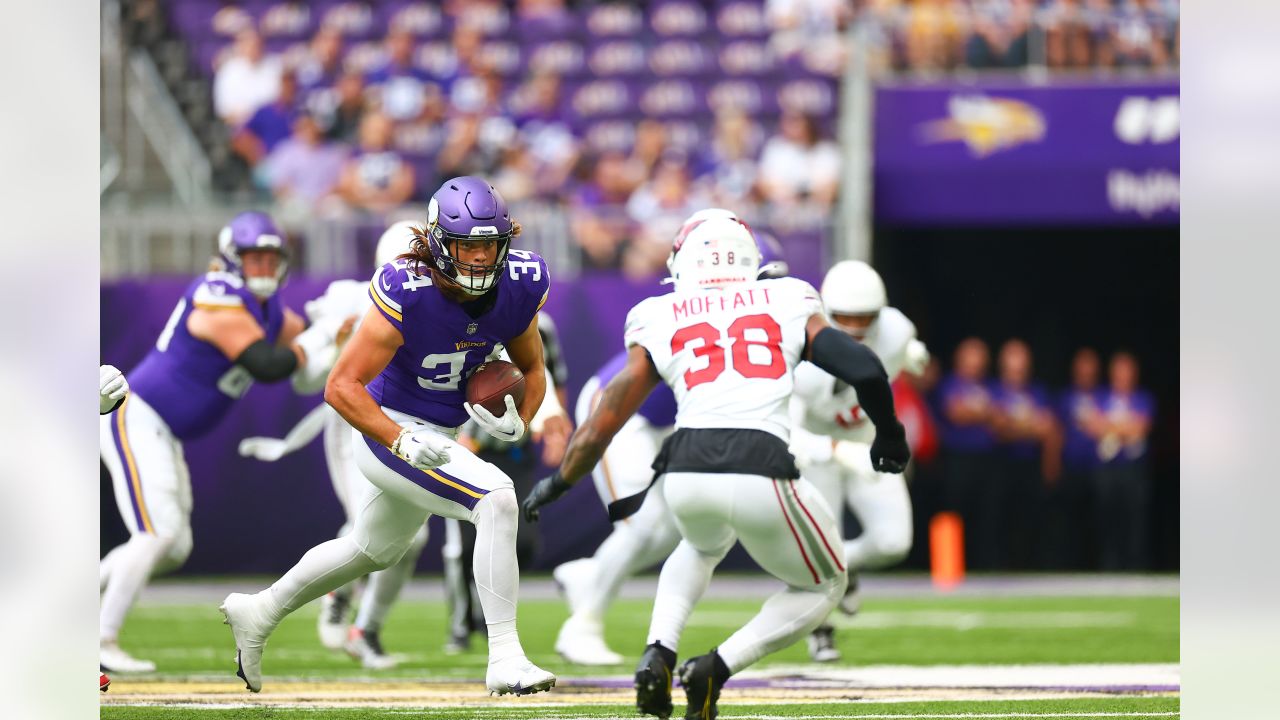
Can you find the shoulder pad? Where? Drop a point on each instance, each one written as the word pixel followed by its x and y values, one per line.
pixel 218 291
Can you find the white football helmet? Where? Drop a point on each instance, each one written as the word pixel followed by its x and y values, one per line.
pixel 853 287
pixel 713 250
pixel 395 241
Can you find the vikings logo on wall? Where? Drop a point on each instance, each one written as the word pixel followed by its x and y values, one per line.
pixel 986 124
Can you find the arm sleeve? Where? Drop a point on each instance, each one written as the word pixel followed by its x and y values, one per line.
pixel 856 364
pixel 267 362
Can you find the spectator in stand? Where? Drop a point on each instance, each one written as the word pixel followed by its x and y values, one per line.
pixel 376 178
pixel 245 81
pixel 933 34
pixel 1069 512
pixel 597 211
pixel 544 18
pixel 810 28
pixel 648 148
pixel 1140 35
pixel 1000 32
pixel 341 118
pixel 967 408
pixel 727 165
pixel 658 208
pixel 798 165
pixel 1097 17
pixel 1122 488
pixel 552 149
pixel 1023 424
pixel 322 65
pixel 305 170
pixel 1068 36
pixel 400 87
pixel 268 126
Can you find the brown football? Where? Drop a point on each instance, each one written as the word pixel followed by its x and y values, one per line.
pixel 493 381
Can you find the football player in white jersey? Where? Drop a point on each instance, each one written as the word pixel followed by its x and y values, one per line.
pixel 728 346
pixel 361 639
pixel 830 434
pixel 112 390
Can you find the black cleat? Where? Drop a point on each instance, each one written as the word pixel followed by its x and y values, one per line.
pixel 653 681
pixel 702 677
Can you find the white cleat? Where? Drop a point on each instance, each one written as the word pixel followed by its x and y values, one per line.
pixel 366 646
pixel 575 579
pixel 582 641
pixel 115 660
pixel 332 623
pixel 519 676
pixel 250 631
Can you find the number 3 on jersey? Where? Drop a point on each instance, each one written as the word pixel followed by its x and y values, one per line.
pixel 740 353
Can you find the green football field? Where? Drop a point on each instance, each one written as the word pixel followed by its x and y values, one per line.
pixel 1000 655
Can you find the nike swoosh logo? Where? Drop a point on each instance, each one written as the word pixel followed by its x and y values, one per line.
pixel 386 285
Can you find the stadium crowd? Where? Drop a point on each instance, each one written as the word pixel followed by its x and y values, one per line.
pixel 630 116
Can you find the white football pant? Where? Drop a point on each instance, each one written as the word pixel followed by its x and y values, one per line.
pixel 784 525
pixel 881 503
pixel 153 493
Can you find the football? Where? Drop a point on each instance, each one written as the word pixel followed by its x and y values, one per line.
pixel 493 381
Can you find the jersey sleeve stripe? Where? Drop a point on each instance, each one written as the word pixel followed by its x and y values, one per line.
pixel 382 293
pixel 204 297
pixel 219 306
pixel 543 301
pixel 387 310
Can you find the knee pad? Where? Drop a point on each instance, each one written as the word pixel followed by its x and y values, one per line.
pixel 384 556
pixel 502 500
pixel 172 550
pixel 419 541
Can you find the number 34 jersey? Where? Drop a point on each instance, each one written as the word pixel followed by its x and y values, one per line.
pixel 188 381
pixel 445 340
pixel 728 354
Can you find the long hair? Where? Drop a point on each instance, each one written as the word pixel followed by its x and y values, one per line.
pixel 420 259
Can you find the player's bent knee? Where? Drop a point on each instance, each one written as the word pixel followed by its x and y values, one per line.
pixel 892 548
pixel 502 501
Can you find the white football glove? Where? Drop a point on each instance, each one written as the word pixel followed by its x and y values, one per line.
pixel 422 448
pixel 917 358
pixel 509 427
pixel 112 387
pixel 263 448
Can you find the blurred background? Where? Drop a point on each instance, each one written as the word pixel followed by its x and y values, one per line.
pixel 1010 166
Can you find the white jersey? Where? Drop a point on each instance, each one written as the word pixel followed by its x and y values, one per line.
pixel 340 299
pixel 728 353
pixel 823 405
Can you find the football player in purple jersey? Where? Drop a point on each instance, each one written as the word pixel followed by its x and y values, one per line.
pixel 454 301
pixel 228 330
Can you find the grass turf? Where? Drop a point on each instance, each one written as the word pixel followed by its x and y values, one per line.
pixel 190 639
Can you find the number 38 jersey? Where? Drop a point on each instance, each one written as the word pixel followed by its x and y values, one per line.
pixel 728 354
pixel 188 381
pixel 445 340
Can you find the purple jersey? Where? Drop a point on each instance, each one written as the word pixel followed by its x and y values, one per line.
pixel 1123 406
pixel 188 381
pixel 443 342
pixel 1021 404
pixel 965 438
pixel 659 408
pixel 1079 450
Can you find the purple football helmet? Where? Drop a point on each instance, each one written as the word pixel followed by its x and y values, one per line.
pixel 252 231
pixel 773 261
pixel 467 209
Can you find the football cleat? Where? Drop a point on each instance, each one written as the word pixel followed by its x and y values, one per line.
pixel 581 641
pixel 852 601
pixel 702 677
pixel 653 681
pixel 335 608
pixel 104 682
pixel 458 644
pixel 250 631
pixel 366 646
pixel 575 579
pixel 518 676
pixel 112 658
pixel 822 644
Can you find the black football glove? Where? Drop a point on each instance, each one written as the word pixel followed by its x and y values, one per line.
pixel 547 490
pixel 889 451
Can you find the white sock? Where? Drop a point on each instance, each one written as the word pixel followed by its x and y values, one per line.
pixel 385 586
pixel 131 565
pixel 325 567
pixel 683 580
pixel 785 618
pixel 613 562
pixel 497 573
pixel 106 564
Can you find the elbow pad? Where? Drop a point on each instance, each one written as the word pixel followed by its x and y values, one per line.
pixel 855 363
pixel 267 362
